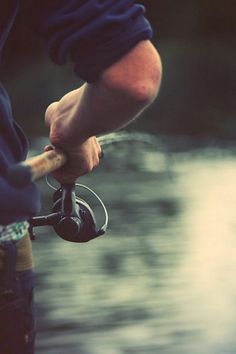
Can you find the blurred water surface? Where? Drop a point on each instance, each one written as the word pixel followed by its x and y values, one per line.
pixel 163 278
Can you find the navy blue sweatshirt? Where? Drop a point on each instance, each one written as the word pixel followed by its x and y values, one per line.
pixel 92 34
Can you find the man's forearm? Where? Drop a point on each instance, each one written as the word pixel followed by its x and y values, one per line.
pixel 111 102
pixel 121 93
pixel 102 110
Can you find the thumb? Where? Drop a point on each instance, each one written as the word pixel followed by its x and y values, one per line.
pixel 48 148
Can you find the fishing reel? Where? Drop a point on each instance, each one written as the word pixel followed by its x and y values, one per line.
pixel 72 217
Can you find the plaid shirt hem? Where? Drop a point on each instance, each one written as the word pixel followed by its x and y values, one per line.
pixel 13 232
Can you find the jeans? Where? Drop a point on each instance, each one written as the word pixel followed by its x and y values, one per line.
pixel 17 327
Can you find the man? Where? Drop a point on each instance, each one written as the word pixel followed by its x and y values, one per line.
pixel 108 43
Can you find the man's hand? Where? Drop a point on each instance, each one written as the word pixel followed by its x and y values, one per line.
pixel 82 155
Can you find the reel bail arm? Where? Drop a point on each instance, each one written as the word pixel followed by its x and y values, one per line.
pixel 72 218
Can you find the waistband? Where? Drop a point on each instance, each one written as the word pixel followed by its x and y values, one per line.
pixel 24 258
pixel 10 267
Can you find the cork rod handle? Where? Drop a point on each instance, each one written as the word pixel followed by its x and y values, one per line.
pixel 22 174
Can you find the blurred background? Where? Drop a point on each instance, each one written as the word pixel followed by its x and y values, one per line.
pixel 163 280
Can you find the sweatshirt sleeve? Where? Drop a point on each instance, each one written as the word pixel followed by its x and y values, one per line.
pixel 93 34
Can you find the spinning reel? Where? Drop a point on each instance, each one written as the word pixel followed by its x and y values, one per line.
pixel 72 217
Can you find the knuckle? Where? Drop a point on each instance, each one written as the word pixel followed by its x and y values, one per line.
pixel 49 112
pixel 89 167
pixel 96 161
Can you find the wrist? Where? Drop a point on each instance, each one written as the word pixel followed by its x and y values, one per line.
pixel 67 133
pixel 65 138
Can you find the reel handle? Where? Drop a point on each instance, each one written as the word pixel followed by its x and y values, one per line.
pixel 22 174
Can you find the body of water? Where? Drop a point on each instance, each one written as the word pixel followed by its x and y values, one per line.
pixel 162 280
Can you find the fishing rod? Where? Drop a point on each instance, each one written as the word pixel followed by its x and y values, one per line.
pixel 22 174
pixel 72 217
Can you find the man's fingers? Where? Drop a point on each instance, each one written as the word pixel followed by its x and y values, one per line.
pixel 101 155
pixel 99 149
pixel 81 160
